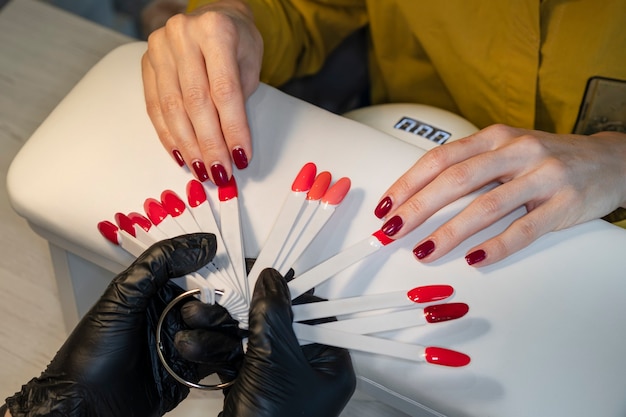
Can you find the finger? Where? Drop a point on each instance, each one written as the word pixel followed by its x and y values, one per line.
pixel 427 168
pixel 209 347
pixel 199 315
pixel 485 210
pixel 521 233
pixel 166 259
pixel 453 183
pixel 153 108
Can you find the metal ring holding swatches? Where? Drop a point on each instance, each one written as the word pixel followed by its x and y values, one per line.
pixel 161 348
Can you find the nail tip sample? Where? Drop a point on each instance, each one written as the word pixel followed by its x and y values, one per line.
pixel 109 231
pixel 337 192
pixel 305 178
pixel 445 312
pixel 320 186
pixel 172 203
pixel 445 357
pixel 430 293
pixel 196 194
pixel 228 191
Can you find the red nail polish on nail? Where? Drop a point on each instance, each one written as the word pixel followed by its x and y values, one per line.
pixel 475 257
pixel 383 208
pixel 430 293
pixel 200 170
pixel 423 250
pixel 196 194
pixel 445 312
pixel 446 357
pixel 392 226
pixel 140 220
pixel 240 158
pixel 178 157
pixel 220 178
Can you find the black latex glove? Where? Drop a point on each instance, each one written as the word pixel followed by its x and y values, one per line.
pixel 279 378
pixel 109 365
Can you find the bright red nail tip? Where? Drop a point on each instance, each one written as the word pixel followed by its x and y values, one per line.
pixel 228 191
pixel 125 223
pixel 445 357
pixel 429 293
pixel 140 220
pixel 109 231
pixel 444 312
pixel 305 178
pixel 196 194
pixel 337 192
pixel 382 238
pixel 320 186
pixel 155 211
pixel 172 203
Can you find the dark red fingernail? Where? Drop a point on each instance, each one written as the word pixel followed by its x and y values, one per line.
pixel 392 226
pixel 383 208
pixel 423 250
pixel 445 312
pixel 220 178
pixel 200 170
pixel 240 158
pixel 178 158
pixel 475 257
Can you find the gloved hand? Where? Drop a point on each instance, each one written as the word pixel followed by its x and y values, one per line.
pixel 109 365
pixel 279 378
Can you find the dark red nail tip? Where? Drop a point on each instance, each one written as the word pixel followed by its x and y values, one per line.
pixel 200 169
pixel 383 208
pixel 240 158
pixel 178 157
pixel 423 250
pixel 475 257
pixel 445 312
pixel 220 178
pixel 392 226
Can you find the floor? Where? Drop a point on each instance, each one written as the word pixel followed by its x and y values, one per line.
pixel 31 328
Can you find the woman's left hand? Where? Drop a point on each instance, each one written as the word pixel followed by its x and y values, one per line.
pixel 562 180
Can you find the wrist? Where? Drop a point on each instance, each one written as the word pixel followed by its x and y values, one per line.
pixel 618 149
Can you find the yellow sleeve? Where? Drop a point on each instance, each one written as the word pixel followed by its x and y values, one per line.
pixel 298 35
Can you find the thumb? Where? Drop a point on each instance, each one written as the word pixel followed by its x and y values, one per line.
pixel 166 259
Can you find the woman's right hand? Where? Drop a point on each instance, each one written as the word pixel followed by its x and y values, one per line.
pixel 198 71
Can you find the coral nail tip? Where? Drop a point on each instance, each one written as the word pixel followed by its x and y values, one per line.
pixel 445 312
pixel 430 293
pixel 337 192
pixel 195 193
pixel 445 357
pixel 320 186
pixel 172 203
pixel 109 231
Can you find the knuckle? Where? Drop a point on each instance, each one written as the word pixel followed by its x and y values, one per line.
pixel 458 175
pixel 223 89
pixel 170 103
pixel 489 205
pixel 195 98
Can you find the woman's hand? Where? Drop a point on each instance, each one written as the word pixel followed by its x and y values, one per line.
pixel 198 71
pixel 562 180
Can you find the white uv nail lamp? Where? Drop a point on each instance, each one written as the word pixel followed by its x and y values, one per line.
pixel 544 327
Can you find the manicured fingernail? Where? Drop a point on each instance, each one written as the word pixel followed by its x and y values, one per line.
pixel 200 169
pixel 475 257
pixel 383 208
pixel 423 250
pixel 220 178
pixel 178 157
pixel 240 158
pixel 392 226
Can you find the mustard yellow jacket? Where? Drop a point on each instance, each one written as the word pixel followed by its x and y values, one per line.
pixel 520 62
